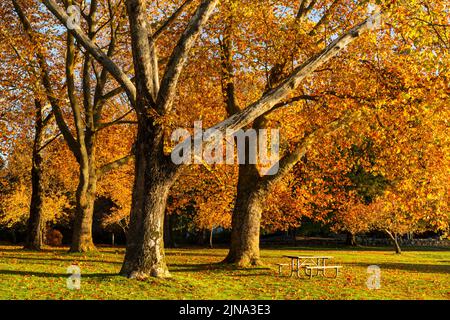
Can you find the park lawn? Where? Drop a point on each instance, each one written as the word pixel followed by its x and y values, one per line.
pixel 417 274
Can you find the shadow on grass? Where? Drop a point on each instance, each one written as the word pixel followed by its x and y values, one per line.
pixel 56 275
pixel 421 268
pixel 350 248
pixel 210 267
pixel 69 259
pixel 196 253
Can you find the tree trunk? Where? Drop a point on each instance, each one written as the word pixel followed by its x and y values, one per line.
pixel 211 238
pixel 394 239
pixel 351 240
pixel 293 235
pixel 153 179
pixel 246 217
pixel 168 233
pixel 34 238
pixel 244 247
pixel 82 240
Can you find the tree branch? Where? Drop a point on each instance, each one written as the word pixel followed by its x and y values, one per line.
pixel 46 83
pixel 116 121
pixel 276 95
pixel 291 159
pixel 169 21
pixel 98 54
pixel 49 141
pixel 113 165
pixel 180 54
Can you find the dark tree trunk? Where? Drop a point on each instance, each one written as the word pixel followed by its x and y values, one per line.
pixel 168 232
pixel 246 218
pixel 293 235
pixel 244 249
pixel 154 177
pixel 200 237
pixel 34 239
pixel 82 240
pixel 351 239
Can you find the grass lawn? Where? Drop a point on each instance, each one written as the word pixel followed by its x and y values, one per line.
pixel 415 274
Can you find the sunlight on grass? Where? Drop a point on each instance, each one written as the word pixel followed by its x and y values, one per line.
pixel 196 274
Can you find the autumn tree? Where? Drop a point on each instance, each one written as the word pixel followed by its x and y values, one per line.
pixel 153 99
pixel 86 101
pixel 19 59
pixel 286 34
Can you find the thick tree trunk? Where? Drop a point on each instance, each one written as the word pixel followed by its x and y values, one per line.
pixel 153 179
pixel 244 249
pixel 82 230
pixel 34 238
pixel 246 218
pixel 82 240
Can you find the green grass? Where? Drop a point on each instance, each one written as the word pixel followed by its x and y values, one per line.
pixel 196 274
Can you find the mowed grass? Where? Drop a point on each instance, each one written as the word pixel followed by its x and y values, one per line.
pixel 197 274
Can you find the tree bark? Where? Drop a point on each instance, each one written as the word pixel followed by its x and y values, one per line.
pixel 82 240
pixel 246 218
pixel 244 248
pixel 34 238
pixel 154 176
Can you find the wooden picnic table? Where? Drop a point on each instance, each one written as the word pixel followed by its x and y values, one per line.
pixel 299 262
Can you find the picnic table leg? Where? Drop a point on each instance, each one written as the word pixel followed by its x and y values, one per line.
pixel 321 263
pixel 317 263
pixel 292 267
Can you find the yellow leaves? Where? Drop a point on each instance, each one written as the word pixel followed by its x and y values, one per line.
pixel 16 206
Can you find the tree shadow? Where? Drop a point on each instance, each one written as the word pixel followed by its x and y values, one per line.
pixel 196 254
pixel 351 248
pixel 420 268
pixel 219 266
pixel 56 275
pixel 69 259
pixel 199 267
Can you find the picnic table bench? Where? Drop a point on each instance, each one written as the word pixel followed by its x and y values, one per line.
pixel 309 264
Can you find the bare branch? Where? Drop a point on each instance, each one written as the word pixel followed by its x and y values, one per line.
pixel 116 121
pixel 169 21
pixel 49 141
pixel 180 54
pixel 96 52
pixel 46 83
